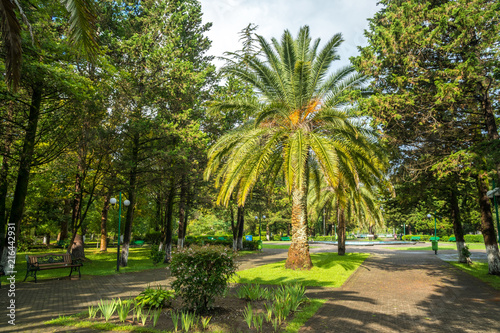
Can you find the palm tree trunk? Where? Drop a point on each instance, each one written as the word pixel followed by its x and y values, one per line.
pixel 298 253
pixel 487 228
pixel 341 232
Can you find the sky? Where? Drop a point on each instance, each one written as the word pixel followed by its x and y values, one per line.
pixel 324 18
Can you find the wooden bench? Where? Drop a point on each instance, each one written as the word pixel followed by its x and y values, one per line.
pixel 415 238
pixel 452 239
pixel 48 261
pixel 138 242
pixel 285 238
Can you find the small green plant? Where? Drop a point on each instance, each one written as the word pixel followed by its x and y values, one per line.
pixel 466 254
pixel 138 308
pixel 156 315
pixel 269 312
pixel 258 321
pixel 248 315
pixel 123 309
pixel 93 312
pixel 107 308
pixel 205 321
pixel 276 324
pixel 252 292
pixel 188 320
pixel 144 317
pixel 155 297
pixel 156 255
pixel 175 319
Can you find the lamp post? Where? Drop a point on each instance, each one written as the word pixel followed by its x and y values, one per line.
pixel 404 229
pixel 493 194
pixel 264 217
pixel 126 203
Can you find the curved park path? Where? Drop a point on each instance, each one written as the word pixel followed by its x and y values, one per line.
pixel 393 291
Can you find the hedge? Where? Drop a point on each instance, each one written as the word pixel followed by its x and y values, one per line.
pixel 468 238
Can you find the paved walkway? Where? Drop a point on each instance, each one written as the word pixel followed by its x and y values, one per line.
pixel 402 291
pixel 393 291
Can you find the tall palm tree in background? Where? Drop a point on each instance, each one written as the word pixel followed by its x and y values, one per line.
pixel 301 128
pixel 82 33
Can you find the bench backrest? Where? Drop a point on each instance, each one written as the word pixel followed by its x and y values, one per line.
pixel 50 259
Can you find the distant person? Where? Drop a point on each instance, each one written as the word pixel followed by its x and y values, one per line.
pixel 395 237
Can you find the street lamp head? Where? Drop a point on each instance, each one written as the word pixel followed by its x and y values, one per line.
pixel 429 216
pixel 263 216
pixel 112 201
pixel 256 217
pixel 126 203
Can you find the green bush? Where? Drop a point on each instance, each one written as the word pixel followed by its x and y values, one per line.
pixel 156 255
pixel 324 238
pixel 153 237
pixel 276 237
pixel 250 245
pixel 202 273
pixel 474 238
pixel 423 238
pixel 155 298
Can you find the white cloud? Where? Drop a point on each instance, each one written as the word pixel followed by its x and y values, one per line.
pixel 324 17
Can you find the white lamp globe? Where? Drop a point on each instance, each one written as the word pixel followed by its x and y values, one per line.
pixel 126 203
pixel 112 201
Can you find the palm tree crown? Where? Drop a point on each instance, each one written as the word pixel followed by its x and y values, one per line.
pixel 301 126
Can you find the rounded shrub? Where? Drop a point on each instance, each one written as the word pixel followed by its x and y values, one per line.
pixel 202 273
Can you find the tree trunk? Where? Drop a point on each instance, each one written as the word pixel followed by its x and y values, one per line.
pixel 132 198
pixel 234 229
pixel 169 212
pixel 488 228
pixel 298 253
pixel 78 247
pixel 457 225
pixel 63 234
pixel 21 190
pixel 341 232
pixel 104 222
pixel 268 232
pixel 4 180
pixel 241 224
pixel 182 213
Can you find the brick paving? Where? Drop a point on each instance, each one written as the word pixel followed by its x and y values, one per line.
pixel 393 291
pixel 401 291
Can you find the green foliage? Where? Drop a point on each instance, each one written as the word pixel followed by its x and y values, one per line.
pixel 248 315
pixel 175 319
pixel 153 237
pixel 107 308
pixel 123 309
pixel 205 321
pixel 155 297
pixel 188 320
pixel 202 273
pixel 93 311
pixel 156 255
pixel 252 292
pixel 474 238
pixel 156 315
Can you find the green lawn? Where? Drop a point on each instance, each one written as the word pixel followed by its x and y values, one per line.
pixel 330 270
pixel 480 270
pixel 442 246
pixel 97 264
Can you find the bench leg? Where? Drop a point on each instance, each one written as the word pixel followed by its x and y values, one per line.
pixel 71 271
pixel 26 275
pixel 35 275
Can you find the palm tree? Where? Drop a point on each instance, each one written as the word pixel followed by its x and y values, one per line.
pixel 82 33
pixel 300 125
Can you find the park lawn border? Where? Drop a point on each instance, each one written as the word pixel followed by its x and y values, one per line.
pixel 479 270
pixel 329 270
